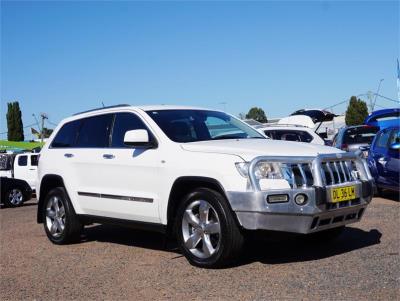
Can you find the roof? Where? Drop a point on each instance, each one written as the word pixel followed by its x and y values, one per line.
pixel 144 108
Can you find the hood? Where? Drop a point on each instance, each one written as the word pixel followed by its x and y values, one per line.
pixel 248 149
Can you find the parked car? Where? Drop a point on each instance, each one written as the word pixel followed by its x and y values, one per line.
pixel 203 176
pixel 384 159
pixel 353 138
pixel 14 192
pixel 384 118
pixel 254 123
pixel 291 133
pixel 21 166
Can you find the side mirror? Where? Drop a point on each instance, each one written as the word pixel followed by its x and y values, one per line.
pixel 395 146
pixel 137 138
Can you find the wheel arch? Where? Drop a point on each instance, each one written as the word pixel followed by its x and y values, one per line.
pixel 184 185
pixel 47 183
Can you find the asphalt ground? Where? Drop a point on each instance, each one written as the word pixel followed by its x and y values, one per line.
pixel 113 263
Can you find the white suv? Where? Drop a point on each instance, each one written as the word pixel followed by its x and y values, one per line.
pixel 202 175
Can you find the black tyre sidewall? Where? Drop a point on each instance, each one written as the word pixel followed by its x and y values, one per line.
pixel 218 202
pixel 70 217
pixel 8 203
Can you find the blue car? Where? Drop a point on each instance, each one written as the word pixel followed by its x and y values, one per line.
pixel 384 159
pixel 384 118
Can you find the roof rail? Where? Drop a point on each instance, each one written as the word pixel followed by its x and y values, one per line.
pixel 102 108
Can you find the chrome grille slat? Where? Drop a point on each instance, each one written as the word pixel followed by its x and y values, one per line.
pixel 328 166
pixel 303 174
pixel 344 174
pixel 337 172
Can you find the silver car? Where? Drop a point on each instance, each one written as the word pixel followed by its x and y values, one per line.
pixel 353 138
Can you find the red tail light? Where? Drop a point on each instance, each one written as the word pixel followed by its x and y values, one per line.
pixel 345 147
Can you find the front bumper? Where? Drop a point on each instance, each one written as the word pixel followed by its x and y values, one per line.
pixel 255 213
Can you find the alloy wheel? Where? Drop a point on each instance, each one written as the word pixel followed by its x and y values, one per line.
pixel 201 229
pixel 55 216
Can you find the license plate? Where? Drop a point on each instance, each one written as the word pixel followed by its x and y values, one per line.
pixel 341 194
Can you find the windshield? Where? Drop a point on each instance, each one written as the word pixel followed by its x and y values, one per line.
pixel 198 125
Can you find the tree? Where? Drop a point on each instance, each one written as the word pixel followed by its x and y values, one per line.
pixel 356 112
pixel 14 122
pixel 257 114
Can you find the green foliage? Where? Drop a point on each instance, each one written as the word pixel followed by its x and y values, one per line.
pixel 14 122
pixel 356 112
pixel 257 114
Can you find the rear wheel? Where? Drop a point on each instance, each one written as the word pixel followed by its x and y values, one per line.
pixel 14 197
pixel 60 221
pixel 206 230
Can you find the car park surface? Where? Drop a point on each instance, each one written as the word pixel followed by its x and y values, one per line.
pixel 119 263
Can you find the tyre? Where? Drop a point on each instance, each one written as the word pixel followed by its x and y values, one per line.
pixel 327 235
pixel 61 224
pixel 206 230
pixel 14 197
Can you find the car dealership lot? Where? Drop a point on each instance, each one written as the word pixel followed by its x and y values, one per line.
pixel 114 262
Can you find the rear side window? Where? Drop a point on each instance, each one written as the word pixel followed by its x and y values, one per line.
pixel 299 136
pixel 395 137
pixel 125 122
pixel 383 139
pixel 34 160
pixel 22 160
pixel 95 131
pixel 66 136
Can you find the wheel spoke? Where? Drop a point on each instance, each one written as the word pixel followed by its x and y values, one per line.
pixel 193 240
pixel 50 213
pixel 191 218
pixel 55 204
pixel 61 212
pixel 60 224
pixel 204 209
pixel 53 228
pixel 213 228
pixel 208 249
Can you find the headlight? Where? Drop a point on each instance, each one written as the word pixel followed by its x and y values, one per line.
pixel 268 170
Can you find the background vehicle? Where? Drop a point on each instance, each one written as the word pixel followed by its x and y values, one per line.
pixel 384 118
pixel 21 166
pixel 254 123
pixel 291 133
pixel 352 138
pixel 384 159
pixel 14 192
pixel 202 175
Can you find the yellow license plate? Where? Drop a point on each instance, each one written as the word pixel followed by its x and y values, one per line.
pixel 341 194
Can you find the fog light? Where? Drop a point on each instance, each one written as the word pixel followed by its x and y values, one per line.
pixel 300 199
pixel 277 198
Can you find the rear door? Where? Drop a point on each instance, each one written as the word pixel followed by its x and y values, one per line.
pixel 393 160
pixel 380 157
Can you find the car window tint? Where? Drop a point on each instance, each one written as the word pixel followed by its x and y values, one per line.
pixel 23 160
pixel 125 122
pixel 66 136
pixel 95 131
pixel 383 139
pixel 269 134
pixel 34 160
pixel 357 135
pixel 395 137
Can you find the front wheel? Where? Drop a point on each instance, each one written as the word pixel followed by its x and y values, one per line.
pixel 60 221
pixel 206 230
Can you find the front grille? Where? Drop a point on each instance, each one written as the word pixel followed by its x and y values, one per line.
pixel 299 175
pixel 338 172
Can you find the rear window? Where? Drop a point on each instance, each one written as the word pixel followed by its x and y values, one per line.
pixel 66 136
pixel 287 135
pixel 95 131
pixel 360 135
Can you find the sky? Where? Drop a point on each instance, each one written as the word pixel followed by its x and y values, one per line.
pixel 64 57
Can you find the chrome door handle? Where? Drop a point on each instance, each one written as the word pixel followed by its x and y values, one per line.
pixel 68 155
pixel 108 156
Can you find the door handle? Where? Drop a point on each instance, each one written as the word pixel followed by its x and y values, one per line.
pixel 68 155
pixel 108 156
